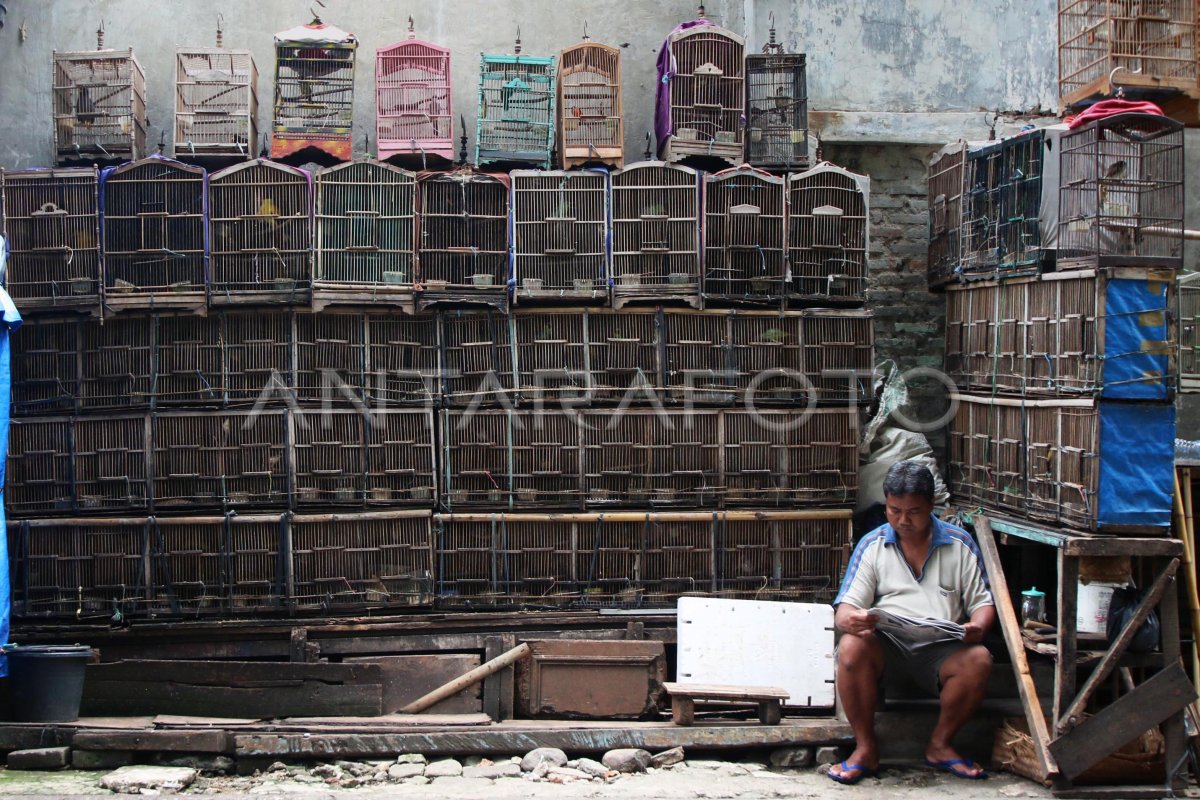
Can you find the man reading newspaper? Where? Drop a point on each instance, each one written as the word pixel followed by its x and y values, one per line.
pixel 915 598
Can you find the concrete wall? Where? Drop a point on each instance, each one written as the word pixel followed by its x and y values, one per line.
pixel 881 70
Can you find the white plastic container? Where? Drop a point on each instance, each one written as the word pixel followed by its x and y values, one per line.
pixel 1091 610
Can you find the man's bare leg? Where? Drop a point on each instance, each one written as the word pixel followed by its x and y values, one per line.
pixel 859 667
pixel 964 678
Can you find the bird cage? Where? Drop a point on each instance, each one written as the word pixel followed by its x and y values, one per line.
pixel 828 233
pixel 551 358
pixel 46 367
pixel 987 459
pixel 260 213
pixel 477 354
pixel 328 452
pixel 946 179
pixel 697 365
pixel 399 459
pixel 516 110
pixel 401 360
pixel 700 94
pixel 655 234
pixel 745 247
pixel 560 236
pixel 1154 44
pixel 314 92
pixel 99 105
pixel 52 228
pixel 216 102
pixel 463 243
pixel 189 360
pixel 1121 199
pixel 795 558
pixel 110 463
pixel 492 560
pixel 257 352
pixel 39 473
pixel 590 126
pixel 365 228
pixel 980 230
pixel 413 109
pixel 1189 333
pixel 790 458
pixel 329 358
pixel 1022 194
pixel 776 108
pixel 118 364
pixel 155 239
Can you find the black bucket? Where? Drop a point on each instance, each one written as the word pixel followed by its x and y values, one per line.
pixel 46 681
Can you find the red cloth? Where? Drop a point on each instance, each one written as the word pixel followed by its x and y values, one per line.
pixel 1110 108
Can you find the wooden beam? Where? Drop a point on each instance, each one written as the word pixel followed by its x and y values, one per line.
pixel 1113 727
pixel 1067 641
pixel 176 741
pixel 1010 626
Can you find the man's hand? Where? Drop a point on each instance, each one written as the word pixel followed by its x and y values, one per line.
pixel 854 621
pixel 974 632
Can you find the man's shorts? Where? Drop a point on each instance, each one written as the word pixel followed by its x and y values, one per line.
pixel 922 663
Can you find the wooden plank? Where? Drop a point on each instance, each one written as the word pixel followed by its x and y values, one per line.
pixel 1080 544
pixel 167 741
pixel 424 720
pixel 254 674
pixel 1174 734
pixel 1113 727
pixel 407 677
pixel 1110 792
pixel 1010 626
pixel 1066 642
pixel 715 691
pixel 25 736
pixel 182 721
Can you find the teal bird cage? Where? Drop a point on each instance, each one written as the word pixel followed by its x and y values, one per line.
pixel 516 110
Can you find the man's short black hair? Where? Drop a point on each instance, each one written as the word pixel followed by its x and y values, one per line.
pixel 909 477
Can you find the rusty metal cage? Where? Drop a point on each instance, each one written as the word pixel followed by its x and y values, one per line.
pixel 706 95
pixel 655 234
pixel 52 227
pixel 828 234
pixel 110 463
pixel 515 123
pixel 1153 44
pixel 314 92
pixel 216 102
pixel 476 356
pixel 1121 198
pixel 1189 334
pixel 257 356
pixel 99 105
pixel 463 242
pixel 560 236
pixel 155 240
pixel 401 360
pixel 330 358
pixel 590 126
pixel 745 244
pixel 946 186
pixel 776 108
pixel 413 108
pixel 226 460
pixel 373 560
pixel 188 366
pixel 789 458
pixel 261 220
pixel 118 364
pixel 366 224
pixel 39 475
pixel 46 366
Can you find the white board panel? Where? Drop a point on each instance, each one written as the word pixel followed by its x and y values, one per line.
pixel 758 643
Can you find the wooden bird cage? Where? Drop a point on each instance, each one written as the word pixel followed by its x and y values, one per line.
pixel 52 228
pixel 45 367
pixel 155 235
pixel 1189 333
pixel 828 231
pixel 39 470
pixel 260 214
pixel 745 247
pixel 463 242
pixel 477 354
pixel 655 234
pixel 99 105
pixel 590 126
pixel 189 361
pixel 257 356
pixel 946 179
pixel 701 97
pixel 1121 195
pixel 401 360
pixel 216 103
pixel 560 236
pixel 314 93
pixel 1152 44
pixel 413 109
pixel 117 364
pixel 981 211
pixel 329 358
pixel 776 108
pixel 365 222
pixel 516 110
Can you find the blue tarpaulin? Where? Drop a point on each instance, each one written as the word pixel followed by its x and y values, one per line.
pixel 11 321
pixel 1137 342
pixel 1137 463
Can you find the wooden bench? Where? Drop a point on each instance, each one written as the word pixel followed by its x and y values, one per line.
pixel 684 696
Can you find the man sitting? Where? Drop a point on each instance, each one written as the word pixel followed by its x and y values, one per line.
pixel 917 566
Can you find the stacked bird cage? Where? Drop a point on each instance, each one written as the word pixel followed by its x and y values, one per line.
pixel 828 232
pixel 745 248
pixel 155 239
pixel 701 94
pixel 413 110
pixel 329 350
pixel 257 353
pixel 1121 200
pixel 99 105
pixel 560 236
pixel 516 110
pixel 980 231
pixel 463 242
pixel 188 363
pixel 365 221
pixel 946 189
pixel 216 102
pixel 260 214
pixel 52 229
pixel 590 126
pixel 401 361
pixel 1189 333
pixel 476 358
pixel 776 108
pixel 118 365
pixel 314 93
pixel 39 471
pixel 655 234
pixel 46 376
pixel 1022 191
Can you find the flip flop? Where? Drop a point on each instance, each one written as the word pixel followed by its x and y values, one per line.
pixel 863 772
pixel 949 766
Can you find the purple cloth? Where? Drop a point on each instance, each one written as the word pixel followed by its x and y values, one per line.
pixel 662 92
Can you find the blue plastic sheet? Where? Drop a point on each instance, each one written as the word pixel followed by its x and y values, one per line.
pixel 1137 342
pixel 1137 464
pixel 10 320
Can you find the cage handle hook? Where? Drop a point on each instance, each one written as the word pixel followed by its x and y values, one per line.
pixel 100 36
pixel 1120 89
pixel 586 38
pixel 517 46
pixel 991 125
pixel 316 17
pixel 220 29
pixel 772 45
pixel 412 29
pixel 702 11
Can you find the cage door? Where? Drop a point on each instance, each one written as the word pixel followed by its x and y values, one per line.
pixel 827 227
pixel 708 87
pixel 152 219
pixel 560 235
pixel 49 228
pixel 653 232
pixel 745 227
pixel 364 230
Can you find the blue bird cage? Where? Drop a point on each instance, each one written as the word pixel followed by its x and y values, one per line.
pixel 516 110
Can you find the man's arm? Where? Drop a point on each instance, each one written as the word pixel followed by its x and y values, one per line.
pixel 982 619
pixel 853 620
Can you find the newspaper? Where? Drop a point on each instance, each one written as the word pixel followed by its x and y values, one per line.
pixel 917 631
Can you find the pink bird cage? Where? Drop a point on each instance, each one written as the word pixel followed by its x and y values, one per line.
pixel 413 109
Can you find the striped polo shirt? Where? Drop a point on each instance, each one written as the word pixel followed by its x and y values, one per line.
pixel 952 586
